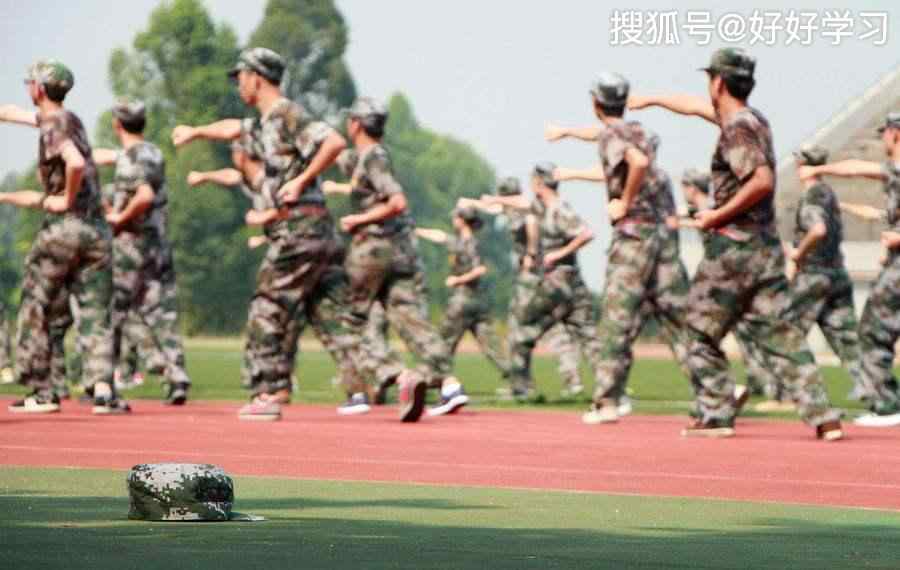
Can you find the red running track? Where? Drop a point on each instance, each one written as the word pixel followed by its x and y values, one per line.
pixel 767 461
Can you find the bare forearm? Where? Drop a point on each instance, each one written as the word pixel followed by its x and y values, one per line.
pixel 104 156
pixel 472 275
pixel 436 236
pixel 138 204
pixel 224 130
pixel 758 187
pixel 573 246
pixel 816 234
pixel 690 105
pixel 17 115
pixel 594 174
pixel 22 198
pixel 862 211
pixel 588 134
pixel 851 168
pixel 325 157
pixel 225 177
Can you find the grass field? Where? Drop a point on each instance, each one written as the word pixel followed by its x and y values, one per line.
pixel 77 518
pixel 658 385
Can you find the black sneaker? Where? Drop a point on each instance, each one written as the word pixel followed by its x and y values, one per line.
pixel 110 406
pixel 710 428
pixel 35 404
pixel 177 394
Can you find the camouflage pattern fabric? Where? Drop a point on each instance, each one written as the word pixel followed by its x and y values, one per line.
pixel 745 281
pixel 373 183
pixel 559 297
pixel 5 361
pixel 614 141
pixel 378 348
pixel 71 255
pixel 879 327
pixel 468 308
pixel 819 205
pixel 566 350
pixel 179 492
pixel 756 373
pixel 300 280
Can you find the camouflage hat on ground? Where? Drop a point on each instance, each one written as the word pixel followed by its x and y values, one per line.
pixel 891 121
pixel 180 492
pixel 733 62
pixel 129 111
pixel 811 155
pixel 610 89
pixel 259 60
pixel 53 75
pixel 544 171
pixel 509 186
pixel 697 179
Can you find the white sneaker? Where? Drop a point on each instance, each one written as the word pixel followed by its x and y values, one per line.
pixel 356 405
pixel 876 420
pixel 7 376
pixel 601 414
pixel 260 410
pixel 625 406
pixel 572 391
pixel 453 397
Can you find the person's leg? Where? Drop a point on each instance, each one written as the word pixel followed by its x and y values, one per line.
pixel 839 324
pixel 456 322
pixel 483 330
pixel 61 321
pixel 5 346
pixel 879 329
pixel 544 309
pixel 568 355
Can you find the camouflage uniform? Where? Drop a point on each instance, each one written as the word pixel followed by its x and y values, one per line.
pixel 5 361
pixel 642 275
pixel 741 276
pixel 559 296
pixel 71 254
pixel 879 327
pixel 383 265
pixel 468 308
pixel 822 292
pixel 142 264
pixel 300 281
pixel 524 290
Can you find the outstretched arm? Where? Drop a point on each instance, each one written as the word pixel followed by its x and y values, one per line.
pixel 553 133
pixel 224 130
pixel 432 235
pixel 332 187
pixel 104 156
pixel 18 115
pixel 225 177
pixel 869 213
pixel 515 202
pixel 23 199
pixel 690 105
pixel 492 209
pixel 851 168
pixel 594 174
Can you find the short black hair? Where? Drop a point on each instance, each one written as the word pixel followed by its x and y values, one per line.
pixel 373 125
pixel 134 126
pixel 55 93
pixel 615 111
pixel 738 87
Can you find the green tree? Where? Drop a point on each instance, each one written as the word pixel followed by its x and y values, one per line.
pixel 312 36
pixel 178 66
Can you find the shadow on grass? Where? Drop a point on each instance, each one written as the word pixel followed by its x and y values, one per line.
pixel 82 532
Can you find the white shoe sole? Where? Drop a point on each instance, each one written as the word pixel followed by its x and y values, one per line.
pixel 710 433
pixel 354 411
pixel 874 420
pixel 104 411
pixel 592 418
pixel 625 409
pixel 34 409
pixel 259 417
pixel 833 435
pixel 450 407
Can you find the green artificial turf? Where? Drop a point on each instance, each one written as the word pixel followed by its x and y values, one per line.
pixel 62 518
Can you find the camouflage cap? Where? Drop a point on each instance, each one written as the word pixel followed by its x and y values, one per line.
pixel 51 74
pixel 509 186
pixel 697 179
pixel 365 107
pixel 544 171
pixel 259 60
pixel 129 111
pixel 812 155
pixel 891 121
pixel 610 89
pixel 731 61
pixel 179 492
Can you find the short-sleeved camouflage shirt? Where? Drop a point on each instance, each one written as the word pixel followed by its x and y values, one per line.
pixel 286 140
pixel 820 205
pixel 559 224
pixel 463 256
pixel 142 163
pixel 57 129
pixel 373 184
pixel 891 171
pixel 745 144
pixel 614 141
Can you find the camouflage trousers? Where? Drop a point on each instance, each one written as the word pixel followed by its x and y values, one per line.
pixel 744 280
pixel 879 329
pixel 564 346
pixel 69 256
pixel 142 288
pixel 300 283
pixel 5 361
pixel 759 379
pixel 561 297
pixel 388 270
pixel 467 310
pixel 644 277
pixel 138 347
pixel 377 345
